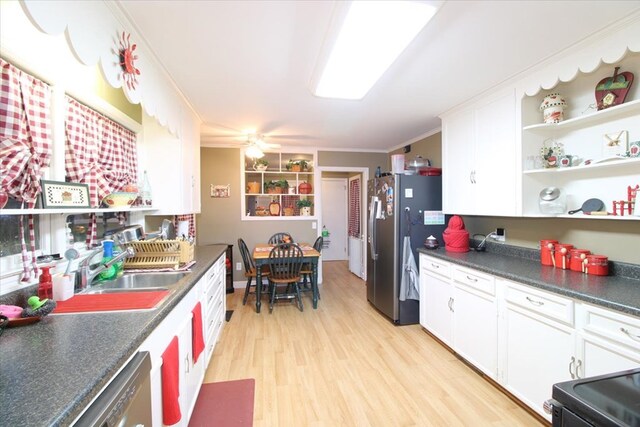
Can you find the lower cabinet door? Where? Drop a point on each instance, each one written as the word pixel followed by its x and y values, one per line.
pixel 539 353
pixel 438 307
pixel 475 328
pixel 603 357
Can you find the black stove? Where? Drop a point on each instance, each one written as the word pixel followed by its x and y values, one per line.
pixel 610 400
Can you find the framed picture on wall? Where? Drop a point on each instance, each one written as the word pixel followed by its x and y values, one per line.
pixel 60 194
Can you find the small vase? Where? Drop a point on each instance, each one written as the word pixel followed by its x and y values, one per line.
pixel 305 211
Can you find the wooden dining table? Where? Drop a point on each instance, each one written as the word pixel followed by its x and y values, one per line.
pixel 261 257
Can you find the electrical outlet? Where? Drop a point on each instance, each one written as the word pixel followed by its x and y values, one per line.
pixel 238 266
pixel 314 225
pixel 501 235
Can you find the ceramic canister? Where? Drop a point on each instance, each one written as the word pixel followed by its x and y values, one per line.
pixel 597 265
pixel 546 251
pixel 562 255
pixel 576 259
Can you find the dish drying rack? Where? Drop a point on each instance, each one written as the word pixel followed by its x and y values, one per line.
pixel 160 254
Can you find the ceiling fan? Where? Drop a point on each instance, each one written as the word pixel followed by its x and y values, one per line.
pixel 248 138
pixel 256 146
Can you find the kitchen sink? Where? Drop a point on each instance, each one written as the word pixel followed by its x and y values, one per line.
pixel 136 282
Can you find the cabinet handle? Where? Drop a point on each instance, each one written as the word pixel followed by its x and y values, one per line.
pixel 436 266
pixel 578 365
pixel 630 335
pixel 573 362
pixel 534 302
pixel 450 304
pixel 186 364
pixel 471 177
pixel 472 279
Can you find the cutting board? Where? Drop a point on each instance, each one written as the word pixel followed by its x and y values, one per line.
pixel 110 302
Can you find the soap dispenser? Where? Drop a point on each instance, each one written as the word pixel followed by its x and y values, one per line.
pixel 45 284
pixel 107 254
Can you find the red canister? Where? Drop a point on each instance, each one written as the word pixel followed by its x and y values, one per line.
pixel 562 255
pixel 576 259
pixel 546 251
pixel 597 265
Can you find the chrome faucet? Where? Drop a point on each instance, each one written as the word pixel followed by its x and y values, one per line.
pixel 86 274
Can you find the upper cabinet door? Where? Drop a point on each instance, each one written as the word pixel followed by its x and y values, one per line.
pixel 458 162
pixel 479 158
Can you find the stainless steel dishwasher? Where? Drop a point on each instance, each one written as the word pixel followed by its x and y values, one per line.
pixel 126 401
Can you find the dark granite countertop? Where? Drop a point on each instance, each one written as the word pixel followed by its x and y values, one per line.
pixel 51 370
pixel 617 292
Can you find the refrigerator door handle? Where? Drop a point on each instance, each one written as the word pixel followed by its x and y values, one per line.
pixel 372 230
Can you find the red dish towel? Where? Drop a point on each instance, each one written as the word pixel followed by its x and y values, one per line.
pixel 197 338
pixel 170 384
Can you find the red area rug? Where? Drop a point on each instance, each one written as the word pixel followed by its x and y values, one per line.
pixel 226 403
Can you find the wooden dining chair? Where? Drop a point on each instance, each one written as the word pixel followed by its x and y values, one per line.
pixel 285 262
pixel 249 270
pixel 281 237
pixel 307 268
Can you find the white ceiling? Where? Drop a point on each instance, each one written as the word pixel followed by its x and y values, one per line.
pixel 247 64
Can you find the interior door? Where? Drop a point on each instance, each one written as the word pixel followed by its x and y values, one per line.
pixel 334 217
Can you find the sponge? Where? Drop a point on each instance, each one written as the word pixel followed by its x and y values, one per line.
pixel 38 307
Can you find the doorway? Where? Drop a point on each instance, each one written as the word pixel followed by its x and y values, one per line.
pixel 348 171
pixel 334 219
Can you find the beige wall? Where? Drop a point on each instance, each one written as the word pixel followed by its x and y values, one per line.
pixel 618 240
pixel 429 148
pixel 219 220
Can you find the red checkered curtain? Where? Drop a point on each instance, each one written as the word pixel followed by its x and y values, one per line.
pixel 25 133
pixel 98 152
pixel 25 145
pixel 354 208
pixel 192 223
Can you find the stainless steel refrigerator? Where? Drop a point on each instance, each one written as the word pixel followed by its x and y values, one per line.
pixel 398 206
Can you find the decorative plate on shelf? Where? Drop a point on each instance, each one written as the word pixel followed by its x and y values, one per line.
pixel 612 91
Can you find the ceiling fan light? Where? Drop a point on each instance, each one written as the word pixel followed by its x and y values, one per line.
pixel 254 152
pixel 373 35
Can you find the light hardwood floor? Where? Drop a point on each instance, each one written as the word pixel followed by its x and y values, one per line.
pixel 345 365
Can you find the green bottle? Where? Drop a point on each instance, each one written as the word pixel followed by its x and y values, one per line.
pixel 107 254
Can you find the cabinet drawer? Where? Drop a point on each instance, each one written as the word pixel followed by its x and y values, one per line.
pixel 475 279
pixel 614 326
pixel 541 302
pixel 434 266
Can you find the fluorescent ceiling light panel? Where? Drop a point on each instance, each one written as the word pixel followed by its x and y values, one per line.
pixel 373 35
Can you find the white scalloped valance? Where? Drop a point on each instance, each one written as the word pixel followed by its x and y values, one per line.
pixel 93 33
pixel 604 48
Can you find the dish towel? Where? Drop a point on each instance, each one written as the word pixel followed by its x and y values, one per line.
pixel 197 338
pixel 409 285
pixel 170 384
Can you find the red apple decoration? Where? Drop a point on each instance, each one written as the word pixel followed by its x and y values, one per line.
pixel 4 198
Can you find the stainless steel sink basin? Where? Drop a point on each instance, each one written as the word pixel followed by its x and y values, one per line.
pixel 132 282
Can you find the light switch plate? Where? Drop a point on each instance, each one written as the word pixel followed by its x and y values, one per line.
pixel 408 193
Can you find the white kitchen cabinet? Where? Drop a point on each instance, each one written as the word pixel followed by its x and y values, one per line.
pixel 478 152
pixel 475 319
pixel 539 344
pixel 179 323
pixel 607 341
pixel 173 166
pixel 214 306
pixel 436 298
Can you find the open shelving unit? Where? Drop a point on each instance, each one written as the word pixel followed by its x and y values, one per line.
pixel 273 193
